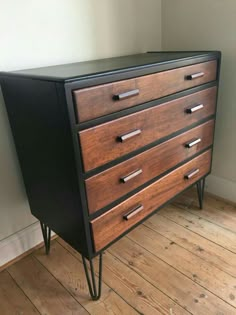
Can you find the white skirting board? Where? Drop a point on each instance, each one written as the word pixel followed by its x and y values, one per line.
pixel 20 242
pixel 221 187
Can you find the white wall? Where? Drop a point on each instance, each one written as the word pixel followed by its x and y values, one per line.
pixel 210 24
pixel 37 33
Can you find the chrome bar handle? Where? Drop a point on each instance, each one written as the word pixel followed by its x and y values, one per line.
pixel 129 135
pixel 194 108
pixel 195 75
pixel 192 173
pixel 193 143
pixel 130 176
pixel 122 96
pixel 133 212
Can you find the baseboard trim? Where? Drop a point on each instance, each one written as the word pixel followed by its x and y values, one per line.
pixel 221 187
pixel 20 243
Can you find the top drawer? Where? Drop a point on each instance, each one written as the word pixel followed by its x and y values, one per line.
pixel 111 97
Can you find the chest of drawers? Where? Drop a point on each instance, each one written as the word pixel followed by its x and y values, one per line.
pixel 104 144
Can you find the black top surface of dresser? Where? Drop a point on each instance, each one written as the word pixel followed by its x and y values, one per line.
pixel 80 70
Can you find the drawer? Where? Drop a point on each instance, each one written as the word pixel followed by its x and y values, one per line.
pixel 104 143
pixel 117 181
pixel 108 98
pixel 119 219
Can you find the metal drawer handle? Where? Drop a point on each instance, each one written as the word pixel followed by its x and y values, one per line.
pixel 130 176
pixel 122 96
pixel 129 135
pixel 194 109
pixel 133 212
pixel 192 173
pixel 192 143
pixel 195 75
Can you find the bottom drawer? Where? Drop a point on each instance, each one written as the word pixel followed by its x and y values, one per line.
pixel 116 221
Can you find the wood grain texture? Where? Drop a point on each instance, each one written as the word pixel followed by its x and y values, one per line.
pixel 200 246
pixel 143 296
pixel 111 224
pixel 12 299
pixel 219 212
pixel 99 144
pixel 203 227
pixel 195 268
pixel 45 292
pixel 97 101
pixel 69 271
pixel 106 186
pixel 195 298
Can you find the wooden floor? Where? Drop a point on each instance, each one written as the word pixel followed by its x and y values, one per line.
pixel 181 261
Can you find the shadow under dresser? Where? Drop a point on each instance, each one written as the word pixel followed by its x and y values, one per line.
pixel 104 144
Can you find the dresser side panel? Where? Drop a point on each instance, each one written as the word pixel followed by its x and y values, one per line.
pixel 39 121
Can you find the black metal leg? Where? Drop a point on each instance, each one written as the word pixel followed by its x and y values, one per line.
pixel 200 191
pixel 93 290
pixel 46 236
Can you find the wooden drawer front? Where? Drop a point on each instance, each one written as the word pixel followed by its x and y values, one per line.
pixel 101 144
pixel 117 181
pixel 113 223
pixel 112 97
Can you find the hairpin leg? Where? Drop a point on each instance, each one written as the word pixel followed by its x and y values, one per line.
pixel 200 191
pixel 46 236
pixel 93 290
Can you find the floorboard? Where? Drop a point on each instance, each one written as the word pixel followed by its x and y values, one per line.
pixel 203 248
pixel 12 298
pixel 184 291
pixel 180 261
pixel 189 264
pixel 44 291
pixel 215 210
pixel 139 293
pixel 202 227
pixel 69 272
